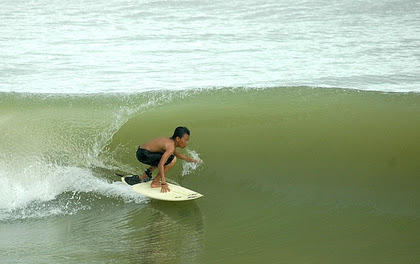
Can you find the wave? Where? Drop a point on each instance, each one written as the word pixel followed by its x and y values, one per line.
pixel 332 147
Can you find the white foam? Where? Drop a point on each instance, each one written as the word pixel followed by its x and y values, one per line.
pixel 34 192
pixel 188 167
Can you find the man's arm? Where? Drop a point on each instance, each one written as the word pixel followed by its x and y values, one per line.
pixel 162 162
pixel 179 155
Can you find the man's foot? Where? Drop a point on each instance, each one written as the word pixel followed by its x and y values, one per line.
pixel 145 178
pixel 135 179
pixel 155 185
pixel 131 180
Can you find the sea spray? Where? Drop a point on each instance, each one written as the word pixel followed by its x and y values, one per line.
pixel 189 167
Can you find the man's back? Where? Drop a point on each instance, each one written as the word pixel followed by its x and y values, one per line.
pixel 160 145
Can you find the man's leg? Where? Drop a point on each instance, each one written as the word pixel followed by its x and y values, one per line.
pixel 135 179
pixel 156 182
pixel 145 175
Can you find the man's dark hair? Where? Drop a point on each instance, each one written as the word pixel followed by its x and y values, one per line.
pixel 180 132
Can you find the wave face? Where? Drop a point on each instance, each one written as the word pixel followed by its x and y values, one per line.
pixel 56 144
pixel 284 153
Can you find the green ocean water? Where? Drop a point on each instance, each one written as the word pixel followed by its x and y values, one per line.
pixel 290 175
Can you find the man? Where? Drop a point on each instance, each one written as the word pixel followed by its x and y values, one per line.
pixel 161 153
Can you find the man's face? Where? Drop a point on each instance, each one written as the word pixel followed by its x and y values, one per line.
pixel 183 142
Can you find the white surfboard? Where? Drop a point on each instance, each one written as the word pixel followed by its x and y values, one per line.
pixel 177 193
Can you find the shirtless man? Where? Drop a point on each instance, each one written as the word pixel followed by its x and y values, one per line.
pixel 161 153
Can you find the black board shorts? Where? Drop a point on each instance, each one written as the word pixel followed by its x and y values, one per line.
pixel 151 158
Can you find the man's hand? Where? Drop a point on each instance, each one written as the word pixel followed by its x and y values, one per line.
pixel 165 188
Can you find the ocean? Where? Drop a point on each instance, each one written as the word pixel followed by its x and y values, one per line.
pixel 306 115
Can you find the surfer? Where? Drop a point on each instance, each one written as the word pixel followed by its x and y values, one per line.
pixel 161 153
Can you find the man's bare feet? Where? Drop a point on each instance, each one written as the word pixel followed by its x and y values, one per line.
pixel 155 185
